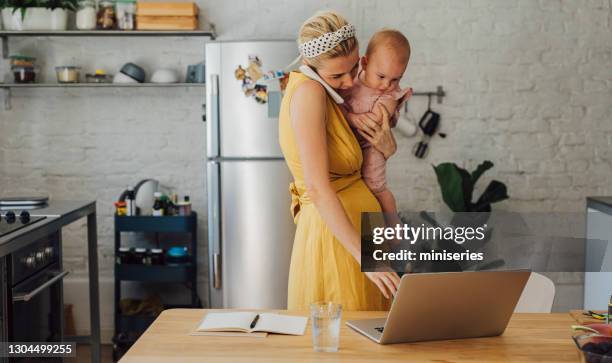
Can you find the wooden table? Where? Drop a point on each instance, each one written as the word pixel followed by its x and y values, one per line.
pixel 528 338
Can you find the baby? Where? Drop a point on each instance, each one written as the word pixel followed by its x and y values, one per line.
pixel 377 82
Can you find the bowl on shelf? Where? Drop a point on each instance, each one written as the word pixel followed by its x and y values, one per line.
pixel 177 255
pixel 122 78
pixel 164 76
pixel 133 71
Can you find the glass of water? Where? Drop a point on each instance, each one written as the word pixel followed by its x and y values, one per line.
pixel 325 317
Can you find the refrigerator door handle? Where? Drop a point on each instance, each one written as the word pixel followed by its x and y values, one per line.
pixel 214 213
pixel 213 124
pixel 217 271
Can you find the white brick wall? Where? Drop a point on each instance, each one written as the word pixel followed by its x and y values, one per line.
pixel 529 87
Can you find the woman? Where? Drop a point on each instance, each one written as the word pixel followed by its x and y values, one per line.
pixel 328 194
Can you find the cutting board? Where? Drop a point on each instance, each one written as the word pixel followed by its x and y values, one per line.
pixel 166 9
pixel 582 319
pixel 166 22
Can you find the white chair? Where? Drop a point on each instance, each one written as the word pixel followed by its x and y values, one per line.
pixel 538 295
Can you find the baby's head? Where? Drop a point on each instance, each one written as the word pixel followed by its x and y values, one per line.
pixel 385 60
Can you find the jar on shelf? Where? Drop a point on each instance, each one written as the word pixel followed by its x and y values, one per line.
pixel 67 74
pixel 24 74
pixel 124 256
pixel 106 19
pixel 86 15
pixel 98 77
pixel 157 256
pixel 18 60
pixel 140 256
pixel 125 12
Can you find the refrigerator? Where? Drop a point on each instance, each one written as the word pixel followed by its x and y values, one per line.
pixel 250 229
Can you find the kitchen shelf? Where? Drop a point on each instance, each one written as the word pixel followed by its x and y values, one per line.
pixel 209 33
pixel 180 273
pixel 100 85
pixel 6 34
pixel 7 87
pixel 135 323
pixel 154 273
pixel 165 224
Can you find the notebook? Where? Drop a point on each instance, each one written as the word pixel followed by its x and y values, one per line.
pixel 239 324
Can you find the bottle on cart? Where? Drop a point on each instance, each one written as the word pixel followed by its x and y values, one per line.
pixel 187 202
pixel 158 206
pixel 130 202
pixel 609 319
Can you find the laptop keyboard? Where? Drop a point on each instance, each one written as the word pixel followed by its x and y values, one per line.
pixel 380 329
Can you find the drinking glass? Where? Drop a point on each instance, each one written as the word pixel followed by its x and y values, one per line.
pixel 325 317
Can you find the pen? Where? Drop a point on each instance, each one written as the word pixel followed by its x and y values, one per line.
pixel 254 321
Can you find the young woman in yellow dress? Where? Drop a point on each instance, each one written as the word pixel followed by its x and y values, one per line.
pixel 328 192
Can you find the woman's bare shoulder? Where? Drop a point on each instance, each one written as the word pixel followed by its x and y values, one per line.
pixel 309 89
pixel 308 102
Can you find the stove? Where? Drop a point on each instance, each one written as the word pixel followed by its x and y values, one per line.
pixel 11 221
pixel 31 283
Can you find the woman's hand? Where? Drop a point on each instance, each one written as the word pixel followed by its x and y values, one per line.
pixel 378 135
pixel 386 281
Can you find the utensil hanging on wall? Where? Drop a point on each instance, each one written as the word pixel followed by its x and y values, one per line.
pixel 408 128
pixel 429 124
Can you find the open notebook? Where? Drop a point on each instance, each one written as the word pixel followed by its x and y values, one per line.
pixel 239 324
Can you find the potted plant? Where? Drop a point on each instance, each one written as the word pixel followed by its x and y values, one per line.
pixel 25 15
pixel 457 188
pixel 6 14
pixel 2 6
pixel 59 12
pixel 37 14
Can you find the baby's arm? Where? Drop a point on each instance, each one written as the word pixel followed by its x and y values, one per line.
pixel 390 104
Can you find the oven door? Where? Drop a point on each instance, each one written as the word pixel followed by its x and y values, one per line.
pixel 37 308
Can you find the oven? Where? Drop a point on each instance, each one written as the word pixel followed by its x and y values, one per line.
pixel 35 297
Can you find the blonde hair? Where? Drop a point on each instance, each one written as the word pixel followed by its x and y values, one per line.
pixel 321 23
pixel 393 39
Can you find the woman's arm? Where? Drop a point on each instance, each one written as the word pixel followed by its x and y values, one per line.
pixel 308 117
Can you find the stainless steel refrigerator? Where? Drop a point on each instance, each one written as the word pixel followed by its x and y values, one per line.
pixel 250 230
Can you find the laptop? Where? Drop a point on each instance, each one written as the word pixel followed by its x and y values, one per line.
pixel 448 305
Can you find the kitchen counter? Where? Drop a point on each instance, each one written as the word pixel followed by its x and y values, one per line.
pixel 59 214
pixel 529 338
pixel 602 204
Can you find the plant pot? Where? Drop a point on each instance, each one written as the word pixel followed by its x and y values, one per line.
pixel 59 19
pixel 7 19
pixel 35 19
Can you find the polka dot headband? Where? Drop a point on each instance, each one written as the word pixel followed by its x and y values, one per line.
pixel 326 42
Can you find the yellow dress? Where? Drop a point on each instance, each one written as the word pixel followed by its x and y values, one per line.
pixel 321 268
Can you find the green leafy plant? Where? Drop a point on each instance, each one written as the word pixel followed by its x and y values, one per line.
pixel 457 187
pixel 61 4
pixel 23 5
